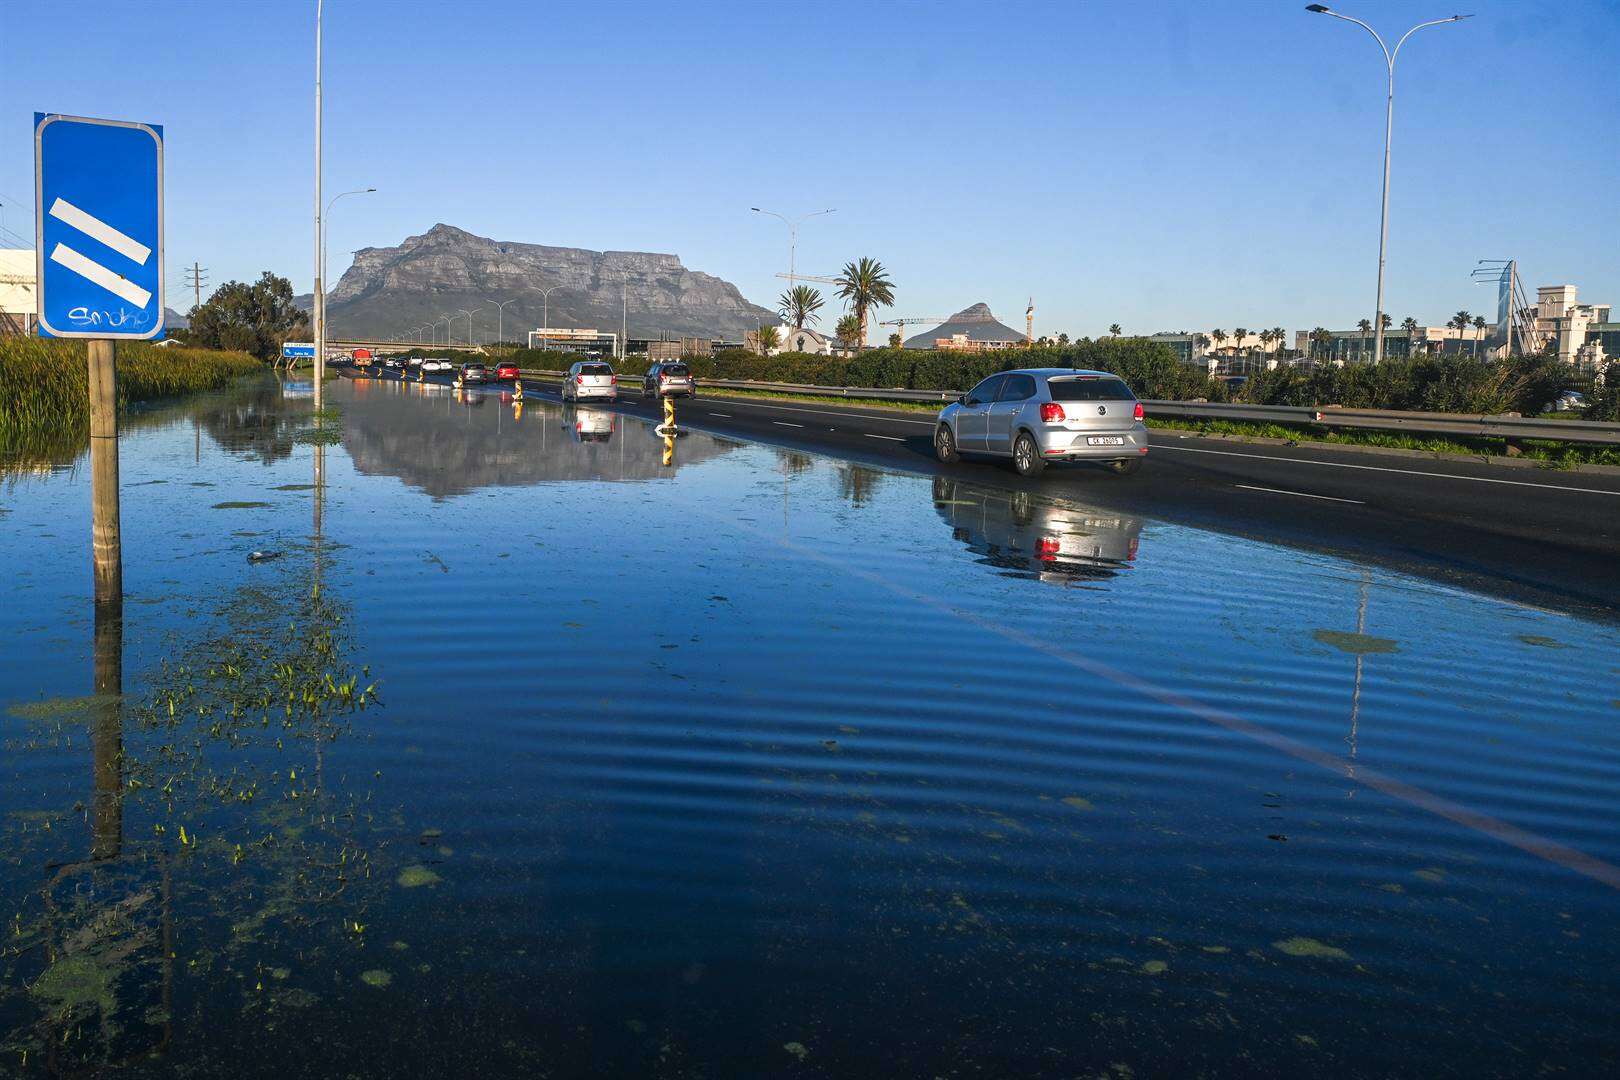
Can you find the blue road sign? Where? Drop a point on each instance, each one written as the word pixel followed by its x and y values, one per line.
pixel 296 349
pixel 98 191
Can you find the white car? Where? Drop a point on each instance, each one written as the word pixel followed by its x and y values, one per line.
pixel 590 379
pixel 436 366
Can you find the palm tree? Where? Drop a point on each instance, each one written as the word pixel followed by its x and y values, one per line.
pixel 1410 325
pixel 1460 323
pixel 799 305
pixel 1265 340
pixel 1237 340
pixel 1063 339
pixel 1365 326
pixel 864 284
pixel 894 340
pixel 1280 336
pixel 1113 329
pixel 1218 335
pixel 1200 342
pixel 848 331
pixel 1479 332
pixel 1321 337
pixel 769 338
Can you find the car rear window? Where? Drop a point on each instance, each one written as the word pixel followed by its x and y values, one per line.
pixel 678 371
pixel 1092 389
pixel 595 369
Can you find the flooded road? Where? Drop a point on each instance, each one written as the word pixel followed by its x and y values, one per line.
pixel 455 738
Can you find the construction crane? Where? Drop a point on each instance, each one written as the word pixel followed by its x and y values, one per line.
pixel 901 324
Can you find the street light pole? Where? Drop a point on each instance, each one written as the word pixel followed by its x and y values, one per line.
pixel 793 233
pixel 545 307
pixel 500 317
pixel 1389 123
pixel 320 285
pixel 469 315
pixel 321 277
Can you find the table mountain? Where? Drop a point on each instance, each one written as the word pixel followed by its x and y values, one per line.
pixel 394 290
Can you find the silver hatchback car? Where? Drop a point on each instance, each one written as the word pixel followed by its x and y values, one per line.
pixel 590 380
pixel 1037 415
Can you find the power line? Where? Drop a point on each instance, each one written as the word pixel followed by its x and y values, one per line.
pixel 196 275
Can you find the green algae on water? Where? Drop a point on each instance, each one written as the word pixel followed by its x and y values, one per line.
pixel 378 978
pixel 1309 947
pixel 1541 641
pixel 240 506
pixel 1078 803
pixel 1355 644
pixel 413 877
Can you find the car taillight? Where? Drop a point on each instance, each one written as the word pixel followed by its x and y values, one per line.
pixel 1140 412
pixel 1051 412
pixel 580 379
pixel 613 380
pixel 1046 548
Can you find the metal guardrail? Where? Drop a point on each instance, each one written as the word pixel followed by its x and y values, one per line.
pixel 1470 425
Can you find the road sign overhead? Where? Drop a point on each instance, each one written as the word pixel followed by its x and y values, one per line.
pixel 98 191
pixel 292 349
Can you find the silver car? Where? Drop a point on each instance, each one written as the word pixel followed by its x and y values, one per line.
pixel 1037 415
pixel 590 380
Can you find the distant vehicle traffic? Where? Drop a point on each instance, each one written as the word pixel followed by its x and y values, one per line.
pixel 413 361
pixel 668 378
pixel 434 366
pixel 474 372
pixel 394 363
pixel 507 371
pixel 1039 415
pixel 1567 401
pixel 590 380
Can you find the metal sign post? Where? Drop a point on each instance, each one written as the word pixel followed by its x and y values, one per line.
pixel 98 242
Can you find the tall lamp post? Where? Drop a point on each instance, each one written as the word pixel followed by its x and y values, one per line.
pixel 500 318
pixel 793 233
pixel 322 276
pixel 1389 121
pixel 545 308
pixel 469 315
pixel 320 286
pixel 446 320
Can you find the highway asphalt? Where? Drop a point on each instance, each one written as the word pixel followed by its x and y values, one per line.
pixel 1543 537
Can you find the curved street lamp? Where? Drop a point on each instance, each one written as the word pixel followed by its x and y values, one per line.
pixel 545 306
pixel 793 232
pixel 469 315
pixel 1389 122
pixel 500 317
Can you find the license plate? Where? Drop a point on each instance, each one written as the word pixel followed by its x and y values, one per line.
pixel 1105 440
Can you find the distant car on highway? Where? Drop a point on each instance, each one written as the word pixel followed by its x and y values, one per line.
pixel 474 372
pixel 394 363
pixel 413 361
pixel 435 366
pixel 590 380
pixel 668 378
pixel 1038 415
pixel 507 371
pixel 1567 401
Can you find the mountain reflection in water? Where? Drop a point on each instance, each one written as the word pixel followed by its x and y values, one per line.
pixel 425 435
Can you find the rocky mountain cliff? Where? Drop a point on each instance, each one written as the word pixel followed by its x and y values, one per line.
pixel 393 290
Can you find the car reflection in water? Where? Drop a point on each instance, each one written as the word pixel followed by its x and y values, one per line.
pixel 589 425
pixel 1039 536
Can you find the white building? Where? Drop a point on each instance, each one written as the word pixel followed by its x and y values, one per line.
pixel 1582 330
pixel 574 339
pixel 18 299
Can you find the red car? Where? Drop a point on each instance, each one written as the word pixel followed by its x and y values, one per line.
pixel 506 370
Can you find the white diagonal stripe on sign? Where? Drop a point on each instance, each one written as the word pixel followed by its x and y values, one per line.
pixel 94 227
pixel 94 271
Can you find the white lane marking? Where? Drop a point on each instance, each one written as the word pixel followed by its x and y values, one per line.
pixel 1383 468
pixel 95 228
pixel 891 438
pixel 94 271
pixel 846 413
pixel 1301 494
pixel 724 414
pixel 784 423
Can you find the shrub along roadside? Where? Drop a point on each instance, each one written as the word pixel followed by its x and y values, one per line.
pixel 44 384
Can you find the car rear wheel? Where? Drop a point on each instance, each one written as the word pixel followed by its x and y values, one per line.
pixel 1126 466
pixel 945 445
pixel 1027 456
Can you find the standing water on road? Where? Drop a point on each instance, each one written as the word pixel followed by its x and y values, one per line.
pixel 465 738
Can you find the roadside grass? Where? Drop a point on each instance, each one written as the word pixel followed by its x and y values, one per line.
pixel 44 384
pixel 1551 455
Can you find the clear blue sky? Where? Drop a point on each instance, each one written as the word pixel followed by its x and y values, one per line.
pixel 1161 164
